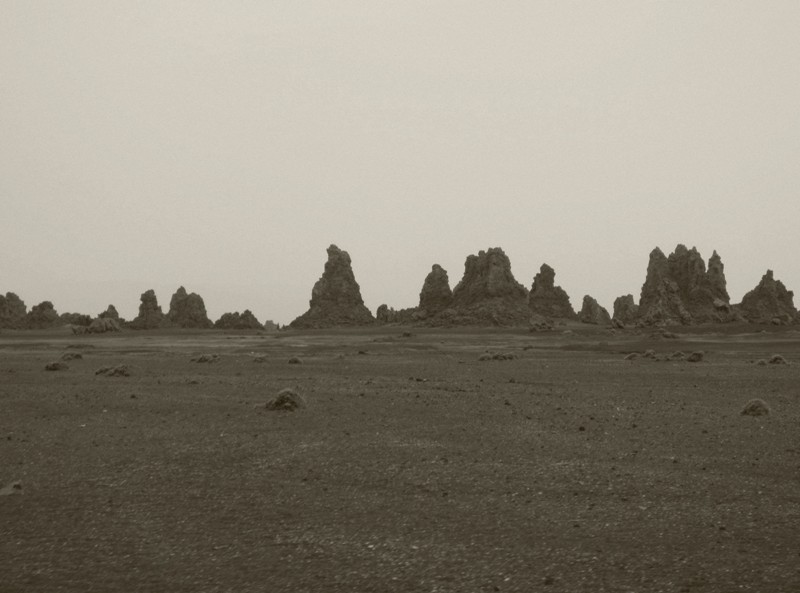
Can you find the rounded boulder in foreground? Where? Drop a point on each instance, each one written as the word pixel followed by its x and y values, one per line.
pixel 756 407
pixel 287 400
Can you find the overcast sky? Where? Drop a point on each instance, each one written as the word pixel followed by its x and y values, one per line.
pixel 224 145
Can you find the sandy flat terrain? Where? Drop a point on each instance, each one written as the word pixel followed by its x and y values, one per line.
pixel 415 466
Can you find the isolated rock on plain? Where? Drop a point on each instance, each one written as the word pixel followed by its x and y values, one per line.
pixel 336 297
pixel 187 310
pixel 547 299
pixel 12 311
pixel 245 320
pixel 488 294
pixel 592 312
pixel 150 314
pixel 625 309
pixel 769 302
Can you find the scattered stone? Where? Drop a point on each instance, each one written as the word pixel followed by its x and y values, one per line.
pixel 695 356
pixel 287 400
pixel 651 354
pixel 56 366
pixel 777 359
pixel 593 313
pixel 762 362
pixel 769 301
pixel 295 360
pixel 547 299
pixel 497 356
pixel 117 371
pixel 11 489
pixel 756 407
pixel 677 355
pixel 336 297
pixel 632 356
pixel 71 356
pixel 150 314
pixel 206 358
pixel 187 310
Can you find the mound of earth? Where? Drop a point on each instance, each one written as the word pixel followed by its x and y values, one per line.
pixel 150 314
pixel 769 302
pixel 336 297
pixel 546 298
pixel 187 310
pixel 488 294
pixel 679 290
pixel 625 309
pixel 42 316
pixel 245 320
pixel 592 312
pixel 12 311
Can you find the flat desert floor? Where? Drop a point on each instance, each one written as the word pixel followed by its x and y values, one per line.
pixel 414 466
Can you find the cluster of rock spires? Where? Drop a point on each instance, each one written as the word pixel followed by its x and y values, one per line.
pixel 678 289
pixel 186 310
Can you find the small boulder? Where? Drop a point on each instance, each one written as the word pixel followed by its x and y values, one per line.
pixel 295 360
pixel 756 407
pixel 117 371
pixel 71 356
pixel 695 356
pixel 777 359
pixel 206 358
pixel 287 400
pixel 56 366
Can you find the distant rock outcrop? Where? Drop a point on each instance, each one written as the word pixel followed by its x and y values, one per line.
pixel 245 320
pixel 678 289
pixel 150 314
pixel 110 313
pixel 488 294
pixel 12 311
pixel 42 316
pixel 769 302
pixel 79 319
pixel 547 299
pixel 336 297
pixel 187 310
pixel 592 312
pixel 435 295
pixel 102 325
pixel 385 314
pixel 625 309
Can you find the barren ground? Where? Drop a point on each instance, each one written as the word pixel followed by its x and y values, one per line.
pixel 414 467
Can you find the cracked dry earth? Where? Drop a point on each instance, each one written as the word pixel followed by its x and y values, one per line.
pixel 413 465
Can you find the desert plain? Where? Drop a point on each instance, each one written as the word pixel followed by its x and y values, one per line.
pixel 416 462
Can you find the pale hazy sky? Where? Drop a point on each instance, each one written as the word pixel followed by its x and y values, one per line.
pixel 224 145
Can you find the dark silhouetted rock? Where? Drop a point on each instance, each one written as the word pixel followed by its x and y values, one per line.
pixel 245 320
pixel 695 356
pixel 188 311
pixel 769 302
pixel 150 314
pixel 592 312
pixel 12 311
pixel 546 298
pixel 756 407
pixel 117 371
pixel 625 310
pixel 336 297
pixel 42 316
pixel 56 366
pixel 287 400
pixel 110 313
pixel 435 295
pixel 386 314
pixel 74 319
pixel 679 290
pixel 488 294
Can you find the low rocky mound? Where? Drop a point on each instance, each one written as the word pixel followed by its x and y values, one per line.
pixel 103 325
pixel 679 290
pixel 150 314
pixel 42 316
pixel 488 294
pixel 12 311
pixel 592 312
pixel 245 320
pixel 336 297
pixel 546 298
pixel 187 310
pixel 625 310
pixel 769 302
pixel 110 313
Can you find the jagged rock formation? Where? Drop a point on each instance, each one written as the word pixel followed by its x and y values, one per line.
pixel 41 316
pixel 592 312
pixel 547 299
pixel 769 302
pixel 435 295
pixel 678 289
pixel 150 314
pixel 385 314
pixel 625 309
pixel 187 310
pixel 110 313
pixel 12 311
pixel 488 294
pixel 336 297
pixel 245 320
